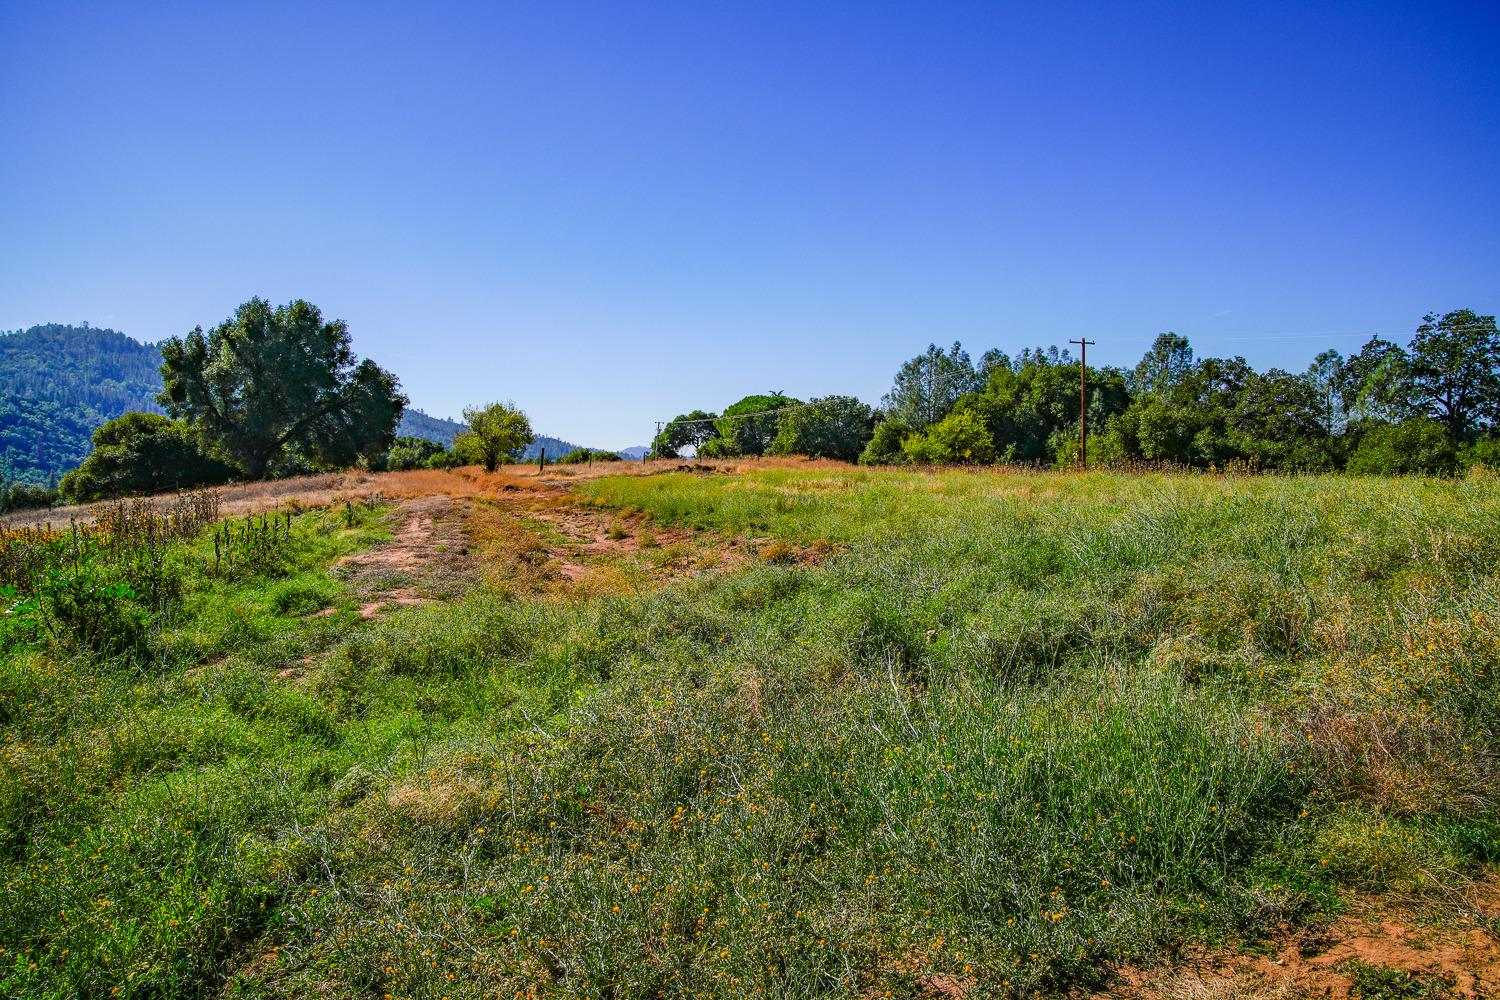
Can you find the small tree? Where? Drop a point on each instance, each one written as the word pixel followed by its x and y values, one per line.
pixel 884 446
pixel 494 432
pixel 686 430
pixel 959 438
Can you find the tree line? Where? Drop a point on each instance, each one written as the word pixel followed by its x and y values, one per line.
pixel 269 392
pixel 1431 406
pixel 274 391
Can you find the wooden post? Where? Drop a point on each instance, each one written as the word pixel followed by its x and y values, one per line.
pixel 541 462
pixel 1083 400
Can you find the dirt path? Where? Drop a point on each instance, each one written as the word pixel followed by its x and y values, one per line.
pixel 527 532
pixel 427 560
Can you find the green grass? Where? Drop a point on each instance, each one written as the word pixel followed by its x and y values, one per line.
pixel 1378 982
pixel 1021 727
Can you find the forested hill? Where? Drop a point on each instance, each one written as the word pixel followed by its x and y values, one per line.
pixel 59 382
pixel 418 424
pixel 556 448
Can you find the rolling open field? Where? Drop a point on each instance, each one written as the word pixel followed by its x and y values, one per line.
pixel 774 729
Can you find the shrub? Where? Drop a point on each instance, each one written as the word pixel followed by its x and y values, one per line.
pixel 579 456
pixel 1484 452
pixel 719 447
pixel 26 496
pixel 142 453
pixel 1418 445
pixel 411 453
pixel 960 438
pixel 884 446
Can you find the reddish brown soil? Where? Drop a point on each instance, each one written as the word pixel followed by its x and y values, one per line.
pixel 1454 947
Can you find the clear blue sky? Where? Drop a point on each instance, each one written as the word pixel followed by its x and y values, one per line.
pixel 612 213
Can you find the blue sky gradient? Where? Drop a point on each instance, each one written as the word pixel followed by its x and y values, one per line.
pixel 613 213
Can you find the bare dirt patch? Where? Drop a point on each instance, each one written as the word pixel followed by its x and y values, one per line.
pixel 521 530
pixel 547 538
pixel 326 488
pixel 1452 954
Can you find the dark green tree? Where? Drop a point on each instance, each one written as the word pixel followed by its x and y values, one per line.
pixel 141 453
pixel 884 446
pixel 1032 411
pixel 411 453
pixel 1375 383
pixel 1416 445
pixel 1165 365
pixel 747 427
pixel 1278 423
pixel 1325 375
pixel 1455 371
pixel 827 427
pixel 267 382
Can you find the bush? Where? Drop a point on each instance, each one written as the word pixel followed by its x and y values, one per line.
pixel 960 438
pixel 26 496
pixel 884 446
pixel 579 456
pixel 142 453
pixel 1485 452
pixel 719 447
pixel 411 453
pixel 1419 445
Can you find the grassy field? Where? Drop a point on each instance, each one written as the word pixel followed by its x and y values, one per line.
pixel 935 734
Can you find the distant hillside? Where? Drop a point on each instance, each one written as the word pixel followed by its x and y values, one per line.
pixel 59 382
pixel 417 424
pixel 556 448
pixel 634 453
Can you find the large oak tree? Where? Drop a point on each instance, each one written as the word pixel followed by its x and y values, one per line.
pixel 267 382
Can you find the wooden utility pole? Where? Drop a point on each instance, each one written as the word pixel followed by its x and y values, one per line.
pixel 1083 400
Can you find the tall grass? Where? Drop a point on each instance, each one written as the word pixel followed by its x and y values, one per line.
pixel 1020 728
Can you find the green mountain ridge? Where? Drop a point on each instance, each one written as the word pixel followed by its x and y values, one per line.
pixel 59 382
